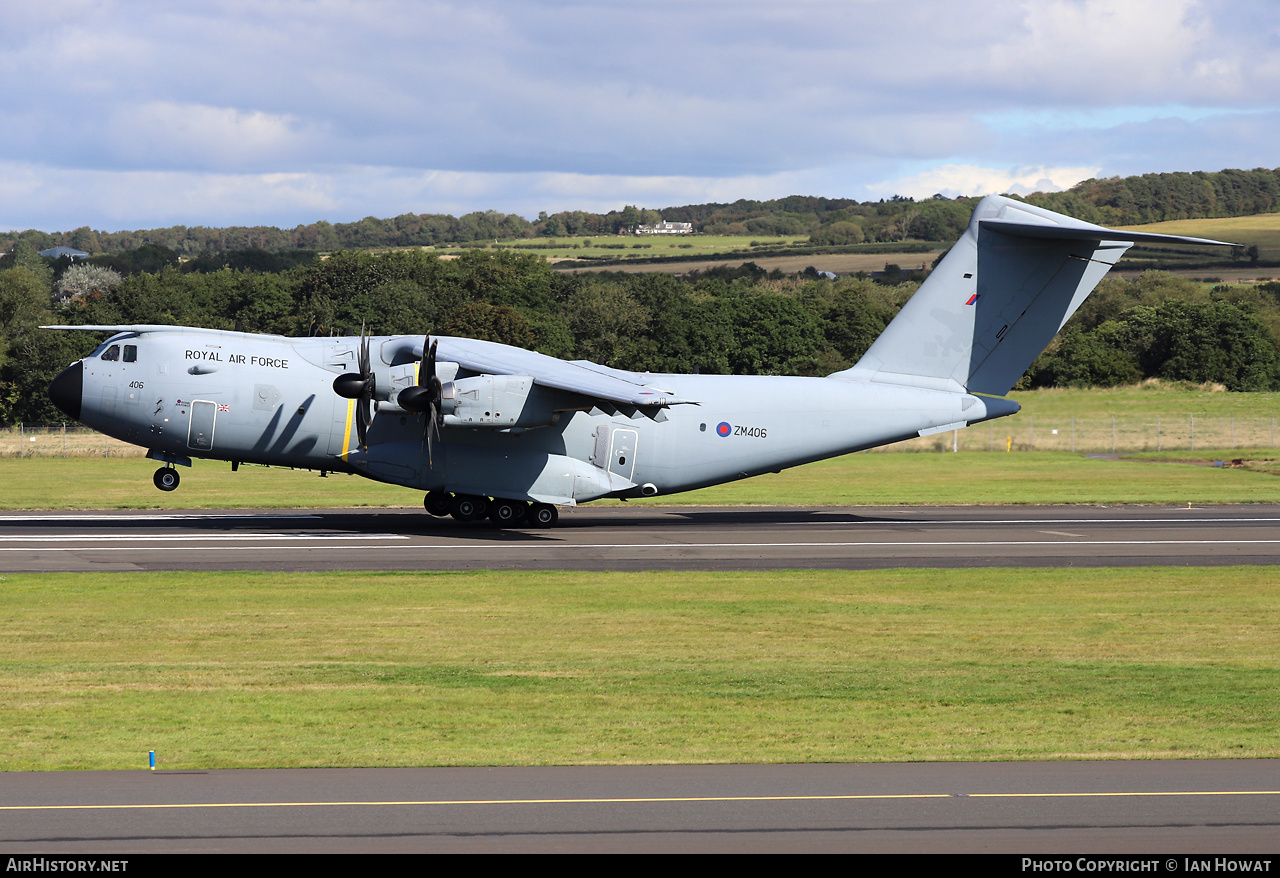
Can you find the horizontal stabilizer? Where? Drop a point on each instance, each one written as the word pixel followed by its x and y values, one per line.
pixel 1090 232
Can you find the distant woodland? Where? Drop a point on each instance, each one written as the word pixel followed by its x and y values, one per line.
pixel 727 320
pixel 1116 201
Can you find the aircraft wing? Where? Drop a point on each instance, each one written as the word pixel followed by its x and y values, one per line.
pixel 614 386
pixel 588 379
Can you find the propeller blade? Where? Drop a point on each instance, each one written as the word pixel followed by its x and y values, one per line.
pixel 431 396
pixel 360 386
pixel 362 424
pixel 431 429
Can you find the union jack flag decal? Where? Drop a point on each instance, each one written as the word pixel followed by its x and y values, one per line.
pixel 223 408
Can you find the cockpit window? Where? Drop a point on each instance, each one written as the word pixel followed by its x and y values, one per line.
pixel 131 353
pixel 112 353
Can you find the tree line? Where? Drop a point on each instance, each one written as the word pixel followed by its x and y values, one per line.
pixel 1113 201
pixel 740 320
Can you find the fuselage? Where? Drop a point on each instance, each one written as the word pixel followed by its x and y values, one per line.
pixel 269 400
pixel 484 420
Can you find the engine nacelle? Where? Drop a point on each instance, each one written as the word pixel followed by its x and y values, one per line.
pixel 499 401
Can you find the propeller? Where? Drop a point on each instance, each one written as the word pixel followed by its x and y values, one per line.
pixel 359 386
pixel 425 395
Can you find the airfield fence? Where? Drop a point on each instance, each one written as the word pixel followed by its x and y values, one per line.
pixel 62 440
pixel 1104 435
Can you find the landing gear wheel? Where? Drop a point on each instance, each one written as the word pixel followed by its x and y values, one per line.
pixel 166 478
pixel 468 507
pixel 507 513
pixel 437 503
pixel 543 515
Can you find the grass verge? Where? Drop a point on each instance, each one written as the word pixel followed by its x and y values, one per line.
pixel 218 670
pixel 926 479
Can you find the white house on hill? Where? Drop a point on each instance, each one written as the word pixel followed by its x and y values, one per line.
pixel 664 228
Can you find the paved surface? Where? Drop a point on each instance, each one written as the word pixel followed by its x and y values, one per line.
pixel 1067 807
pixel 645 538
pixel 1153 807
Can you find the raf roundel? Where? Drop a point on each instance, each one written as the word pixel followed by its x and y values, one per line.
pixel 724 429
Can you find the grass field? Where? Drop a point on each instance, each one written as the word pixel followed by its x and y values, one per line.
pixel 641 246
pixel 968 478
pixel 494 668
pixel 1262 229
pixel 1152 420
pixel 1152 416
pixel 624 251
pixel 257 670
pixel 838 263
pixel 699 252
pixel 623 247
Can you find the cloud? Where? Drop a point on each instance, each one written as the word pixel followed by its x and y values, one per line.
pixel 1152 144
pixel 167 134
pixel 953 180
pixel 61 199
pixel 109 200
pixel 1065 47
pixel 824 95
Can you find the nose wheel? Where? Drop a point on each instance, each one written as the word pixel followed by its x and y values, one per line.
pixel 166 478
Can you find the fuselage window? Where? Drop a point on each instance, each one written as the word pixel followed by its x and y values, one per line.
pixel 131 353
pixel 112 353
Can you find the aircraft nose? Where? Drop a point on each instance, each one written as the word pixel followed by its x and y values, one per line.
pixel 67 389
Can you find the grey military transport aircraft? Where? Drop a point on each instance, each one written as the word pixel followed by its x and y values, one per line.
pixel 487 429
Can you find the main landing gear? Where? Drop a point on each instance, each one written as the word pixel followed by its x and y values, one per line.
pixel 166 478
pixel 500 512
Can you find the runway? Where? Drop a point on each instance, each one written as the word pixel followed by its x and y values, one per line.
pixel 644 538
pixel 1164 807
pixel 1043 808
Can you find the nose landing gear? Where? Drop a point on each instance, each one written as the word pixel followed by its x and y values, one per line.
pixel 166 478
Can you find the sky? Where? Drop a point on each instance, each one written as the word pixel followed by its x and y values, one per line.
pixel 132 115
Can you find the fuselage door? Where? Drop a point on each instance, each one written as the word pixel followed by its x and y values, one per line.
pixel 200 434
pixel 622 451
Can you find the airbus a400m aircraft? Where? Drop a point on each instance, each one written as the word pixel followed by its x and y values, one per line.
pixel 491 430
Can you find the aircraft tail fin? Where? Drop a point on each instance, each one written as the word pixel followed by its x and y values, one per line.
pixel 997 299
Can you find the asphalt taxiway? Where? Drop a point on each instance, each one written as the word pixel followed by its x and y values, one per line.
pixel 1165 808
pixel 644 538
